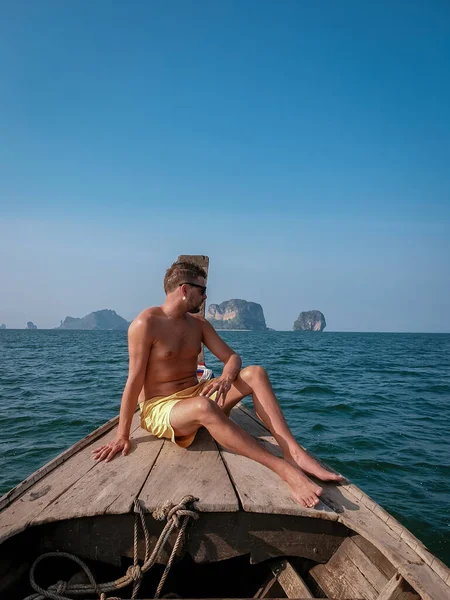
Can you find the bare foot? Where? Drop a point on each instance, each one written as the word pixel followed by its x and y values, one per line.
pixel 300 458
pixel 303 489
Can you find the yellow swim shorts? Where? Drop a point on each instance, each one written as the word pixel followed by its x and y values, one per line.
pixel 155 413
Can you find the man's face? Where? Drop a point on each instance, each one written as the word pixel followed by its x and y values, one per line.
pixel 197 294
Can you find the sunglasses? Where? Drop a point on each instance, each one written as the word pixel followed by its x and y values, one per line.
pixel 202 288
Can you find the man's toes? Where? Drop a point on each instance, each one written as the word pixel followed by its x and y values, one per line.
pixel 318 491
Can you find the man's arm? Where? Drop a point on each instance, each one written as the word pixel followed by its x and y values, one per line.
pixel 139 344
pixel 231 360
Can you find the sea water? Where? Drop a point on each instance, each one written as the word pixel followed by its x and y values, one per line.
pixel 375 406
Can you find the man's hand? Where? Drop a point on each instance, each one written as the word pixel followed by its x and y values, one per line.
pixel 108 451
pixel 222 386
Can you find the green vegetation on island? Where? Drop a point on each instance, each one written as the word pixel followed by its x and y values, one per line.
pixel 234 314
pixel 99 320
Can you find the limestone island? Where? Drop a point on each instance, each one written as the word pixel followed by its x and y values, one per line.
pixel 99 320
pixel 237 315
pixel 31 325
pixel 311 320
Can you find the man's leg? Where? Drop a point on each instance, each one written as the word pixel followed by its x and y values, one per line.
pixel 255 381
pixel 188 416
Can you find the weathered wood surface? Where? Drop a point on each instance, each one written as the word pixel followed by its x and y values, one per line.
pixel 269 589
pixel 363 563
pixel 157 470
pixel 425 581
pixel 397 589
pixel 218 536
pixel 376 557
pixel 291 582
pixel 361 519
pixel 33 504
pixel 108 487
pixel 259 489
pixel 361 514
pixel 24 485
pixel 393 542
pixel 197 471
pixel 347 583
pixel 349 573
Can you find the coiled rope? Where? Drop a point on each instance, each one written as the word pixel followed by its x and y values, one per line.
pixel 172 513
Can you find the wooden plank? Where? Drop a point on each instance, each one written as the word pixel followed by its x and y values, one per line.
pixel 375 556
pixel 357 517
pixel 440 569
pixel 259 489
pixel 108 487
pixel 24 485
pixel 425 581
pixel 342 585
pixel 197 471
pixel 19 514
pixel 203 262
pixel 359 512
pixel 218 536
pixel 397 589
pixel 362 562
pixel 349 572
pixel 269 589
pixel 291 582
pixel 397 529
pixel 342 579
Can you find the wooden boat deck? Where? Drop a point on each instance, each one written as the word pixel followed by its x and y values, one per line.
pixel 73 485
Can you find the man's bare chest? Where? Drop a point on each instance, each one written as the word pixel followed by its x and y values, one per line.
pixel 171 345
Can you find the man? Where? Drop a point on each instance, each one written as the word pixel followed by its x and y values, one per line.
pixel 164 343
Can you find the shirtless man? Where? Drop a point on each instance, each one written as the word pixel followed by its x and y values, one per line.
pixel 164 343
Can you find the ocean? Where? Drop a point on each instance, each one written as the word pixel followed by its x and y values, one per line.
pixel 375 406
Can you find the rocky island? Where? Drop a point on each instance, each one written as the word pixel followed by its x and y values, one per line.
pixel 31 325
pixel 2 326
pixel 311 320
pixel 237 314
pixel 99 320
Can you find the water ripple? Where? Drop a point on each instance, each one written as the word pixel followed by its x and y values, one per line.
pixel 374 406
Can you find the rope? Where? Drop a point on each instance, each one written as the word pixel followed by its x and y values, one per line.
pixel 179 540
pixel 167 511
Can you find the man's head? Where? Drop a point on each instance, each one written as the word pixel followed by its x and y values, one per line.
pixel 189 280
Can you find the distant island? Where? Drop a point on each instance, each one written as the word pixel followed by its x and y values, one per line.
pixel 311 320
pixel 99 320
pixel 237 314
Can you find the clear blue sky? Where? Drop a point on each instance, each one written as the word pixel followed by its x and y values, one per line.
pixel 305 147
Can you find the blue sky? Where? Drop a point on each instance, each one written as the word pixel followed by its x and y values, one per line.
pixel 304 148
